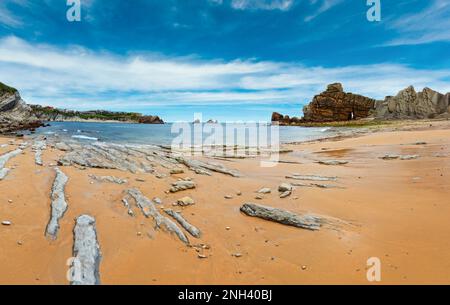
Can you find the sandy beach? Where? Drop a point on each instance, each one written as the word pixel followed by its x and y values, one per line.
pixel 396 210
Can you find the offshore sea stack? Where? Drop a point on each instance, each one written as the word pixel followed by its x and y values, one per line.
pixel 15 114
pixel 409 104
pixel 336 105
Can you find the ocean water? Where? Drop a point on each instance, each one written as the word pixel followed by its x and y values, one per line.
pixel 165 134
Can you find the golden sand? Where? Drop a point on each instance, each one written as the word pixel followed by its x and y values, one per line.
pixel 399 212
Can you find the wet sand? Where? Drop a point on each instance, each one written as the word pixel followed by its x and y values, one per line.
pixel 396 210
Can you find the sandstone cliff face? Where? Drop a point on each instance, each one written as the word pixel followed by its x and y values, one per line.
pixel 336 105
pixel 15 114
pixel 409 104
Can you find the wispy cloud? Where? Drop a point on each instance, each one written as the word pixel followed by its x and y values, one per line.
pixel 282 5
pixel 79 78
pixel 429 25
pixel 322 7
pixel 7 18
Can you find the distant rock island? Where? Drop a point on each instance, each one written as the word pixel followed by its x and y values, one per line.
pixel 335 105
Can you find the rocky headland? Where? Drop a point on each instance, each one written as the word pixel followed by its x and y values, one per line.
pixel 50 114
pixel 15 114
pixel 336 105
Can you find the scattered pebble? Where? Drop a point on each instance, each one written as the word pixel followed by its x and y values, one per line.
pixel 6 223
pixel 265 190
pixel 202 256
pixel 239 193
pixel 285 187
pixel 304 267
pixel 237 255
pixel 228 197
pixel 185 201
pixel 176 171
pixel 285 194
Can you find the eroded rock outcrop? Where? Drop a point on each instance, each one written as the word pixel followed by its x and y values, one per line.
pixel 149 210
pixel 409 104
pixel 58 205
pixel 307 222
pixel 4 159
pixel 86 253
pixel 336 105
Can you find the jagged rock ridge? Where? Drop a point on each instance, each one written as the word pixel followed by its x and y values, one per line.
pixel 409 104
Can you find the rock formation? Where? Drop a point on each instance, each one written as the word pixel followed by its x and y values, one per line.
pixel 15 114
pixel 150 119
pixel 409 104
pixel 58 205
pixel 336 105
pixel 86 253
pixel 307 222
pixel 4 159
pixel 284 119
pixel 149 210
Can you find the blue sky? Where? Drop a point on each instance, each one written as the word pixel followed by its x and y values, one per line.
pixel 229 59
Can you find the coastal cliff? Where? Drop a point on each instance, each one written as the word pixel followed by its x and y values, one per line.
pixel 336 105
pixel 15 114
pixel 50 114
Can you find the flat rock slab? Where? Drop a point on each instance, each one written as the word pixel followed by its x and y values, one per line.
pixel 149 210
pixel 333 162
pixel 390 157
pixel 401 157
pixel 307 222
pixel 311 177
pixel 318 185
pixel 409 157
pixel 182 185
pixel 58 203
pixel 184 223
pixel 4 159
pixel 110 179
pixel 86 253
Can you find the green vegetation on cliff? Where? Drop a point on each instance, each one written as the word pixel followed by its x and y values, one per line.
pixel 6 89
pixel 52 114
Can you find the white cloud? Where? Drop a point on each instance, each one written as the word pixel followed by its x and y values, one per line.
pixel 429 25
pixel 79 78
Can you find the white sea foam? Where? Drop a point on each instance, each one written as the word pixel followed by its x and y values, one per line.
pixel 84 137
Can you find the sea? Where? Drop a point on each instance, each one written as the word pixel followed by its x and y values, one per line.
pixel 124 133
